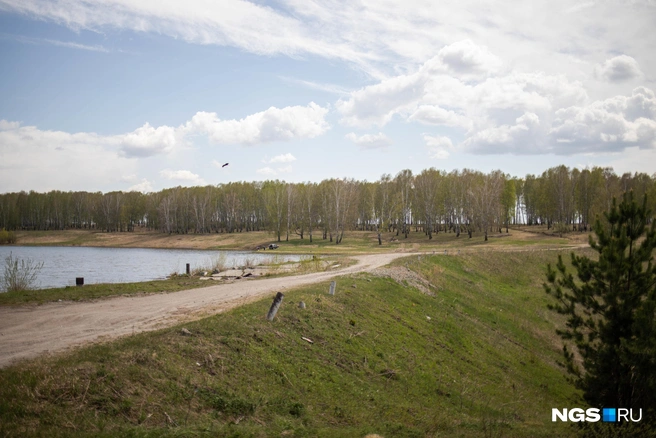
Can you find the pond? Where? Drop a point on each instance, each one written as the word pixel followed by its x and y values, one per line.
pixel 61 265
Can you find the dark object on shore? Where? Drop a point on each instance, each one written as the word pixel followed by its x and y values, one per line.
pixel 79 281
pixel 188 269
pixel 273 246
pixel 274 306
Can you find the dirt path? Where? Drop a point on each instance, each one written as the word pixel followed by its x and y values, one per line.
pixel 28 331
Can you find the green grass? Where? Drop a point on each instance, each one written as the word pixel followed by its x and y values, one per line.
pixel 97 291
pixel 484 365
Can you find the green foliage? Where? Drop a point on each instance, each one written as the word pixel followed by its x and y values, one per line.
pixel 7 237
pixel 610 307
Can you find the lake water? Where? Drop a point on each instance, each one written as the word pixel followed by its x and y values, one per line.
pixel 61 265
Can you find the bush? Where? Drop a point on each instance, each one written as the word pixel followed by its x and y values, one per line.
pixel 20 274
pixel 7 236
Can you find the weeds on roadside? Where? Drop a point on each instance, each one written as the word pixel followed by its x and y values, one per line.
pixel 19 274
pixel 220 262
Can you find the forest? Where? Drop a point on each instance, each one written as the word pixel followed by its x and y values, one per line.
pixel 462 201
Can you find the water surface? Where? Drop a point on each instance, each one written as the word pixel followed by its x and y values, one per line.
pixel 61 265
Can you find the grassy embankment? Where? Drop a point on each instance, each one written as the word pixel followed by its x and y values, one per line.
pixel 483 365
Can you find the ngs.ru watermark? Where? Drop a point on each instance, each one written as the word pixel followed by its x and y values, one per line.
pixel 592 415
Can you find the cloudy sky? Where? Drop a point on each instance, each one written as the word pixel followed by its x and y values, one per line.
pixel 147 94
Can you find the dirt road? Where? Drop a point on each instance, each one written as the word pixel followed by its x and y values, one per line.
pixel 28 331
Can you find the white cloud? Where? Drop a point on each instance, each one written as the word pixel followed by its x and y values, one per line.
pixel 382 37
pixel 619 69
pixel 507 112
pixel 525 136
pixel 33 159
pixel 434 115
pixel 41 160
pixel 431 95
pixel 370 141
pixel 274 124
pixel 438 146
pixel 377 104
pixel 147 141
pixel 610 125
pixel 67 44
pixel 6 125
pixel 144 186
pixel 255 28
pixel 267 171
pixel 464 58
pixel 284 158
pixel 329 88
pixel 182 175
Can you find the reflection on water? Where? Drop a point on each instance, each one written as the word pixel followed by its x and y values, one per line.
pixel 61 265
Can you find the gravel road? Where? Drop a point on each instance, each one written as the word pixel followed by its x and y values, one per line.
pixel 29 331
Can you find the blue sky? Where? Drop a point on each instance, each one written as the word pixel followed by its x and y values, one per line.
pixel 144 95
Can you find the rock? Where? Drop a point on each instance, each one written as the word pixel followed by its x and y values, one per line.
pixel 301 305
pixel 231 273
pixel 185 332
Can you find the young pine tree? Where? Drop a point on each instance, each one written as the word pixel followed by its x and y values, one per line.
pixel 610 307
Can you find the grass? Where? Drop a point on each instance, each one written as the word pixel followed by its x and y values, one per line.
pixel 98 291
pixel 479 358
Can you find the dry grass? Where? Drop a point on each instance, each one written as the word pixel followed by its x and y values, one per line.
pixel 355 242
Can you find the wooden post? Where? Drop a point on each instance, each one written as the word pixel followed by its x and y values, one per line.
pixel 188 269
pixel 332 288
pixel 79 281
pixel 274 306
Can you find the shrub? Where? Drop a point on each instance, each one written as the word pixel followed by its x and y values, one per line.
pixel 19 274
pixel 7 236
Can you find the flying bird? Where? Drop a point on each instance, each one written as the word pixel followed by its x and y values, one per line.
pixel 225 165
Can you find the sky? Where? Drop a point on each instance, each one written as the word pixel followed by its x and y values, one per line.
pixel 150 94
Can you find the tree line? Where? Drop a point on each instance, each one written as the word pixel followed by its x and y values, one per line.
pixel 462 201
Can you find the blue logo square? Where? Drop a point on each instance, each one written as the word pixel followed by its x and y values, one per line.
pixel 610 415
